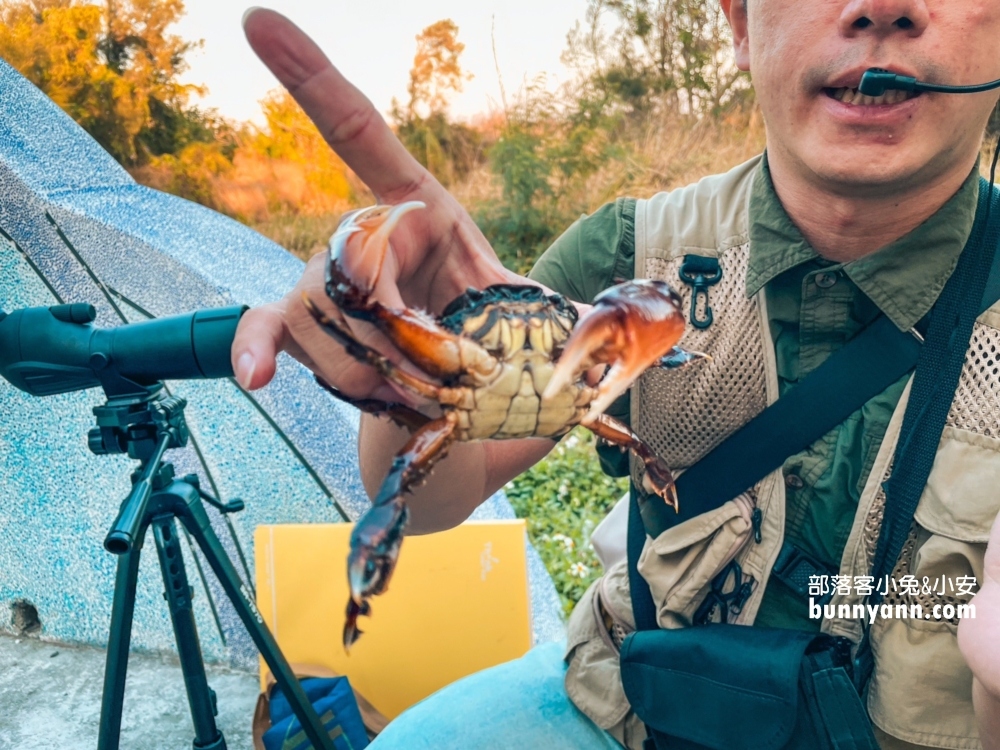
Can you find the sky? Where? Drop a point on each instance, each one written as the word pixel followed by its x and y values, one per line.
pixel 373 42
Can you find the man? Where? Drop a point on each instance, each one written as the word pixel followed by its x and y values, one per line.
pixel 860 207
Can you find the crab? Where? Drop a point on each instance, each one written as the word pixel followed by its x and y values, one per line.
pixel 505 362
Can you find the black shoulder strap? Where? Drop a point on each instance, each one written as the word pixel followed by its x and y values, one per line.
pixel 860 370
pixel 934 382
pixel 939 368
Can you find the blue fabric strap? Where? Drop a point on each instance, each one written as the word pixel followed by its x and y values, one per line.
pixel 643 608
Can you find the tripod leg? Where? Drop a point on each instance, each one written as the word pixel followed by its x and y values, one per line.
pixel 178 595
pixel 116 665
pixel 197 523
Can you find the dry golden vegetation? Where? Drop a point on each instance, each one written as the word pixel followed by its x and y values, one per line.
pixel 657 104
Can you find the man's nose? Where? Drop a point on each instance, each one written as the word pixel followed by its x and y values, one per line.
pixel 885 17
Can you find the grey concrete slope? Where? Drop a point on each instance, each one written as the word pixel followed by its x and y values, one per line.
pixel 50 699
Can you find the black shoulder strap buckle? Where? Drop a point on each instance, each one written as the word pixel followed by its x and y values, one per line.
pixel 797 570
pixel 700 272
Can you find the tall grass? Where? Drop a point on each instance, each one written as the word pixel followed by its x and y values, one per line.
pixel 668 153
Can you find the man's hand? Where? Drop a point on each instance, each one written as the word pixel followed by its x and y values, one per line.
pixel 435 255
pixel 977 638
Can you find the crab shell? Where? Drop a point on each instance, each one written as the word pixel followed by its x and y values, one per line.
pixel 525 330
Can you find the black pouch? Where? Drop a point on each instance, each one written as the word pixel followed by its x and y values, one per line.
pixel 733 687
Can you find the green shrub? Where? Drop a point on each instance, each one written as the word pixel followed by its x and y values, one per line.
pixel 563 498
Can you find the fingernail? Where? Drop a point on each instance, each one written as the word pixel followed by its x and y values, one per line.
pixel 247 12
pixel 245 366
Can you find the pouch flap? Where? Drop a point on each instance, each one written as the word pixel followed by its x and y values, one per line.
pixel 722 686
pixel 684 535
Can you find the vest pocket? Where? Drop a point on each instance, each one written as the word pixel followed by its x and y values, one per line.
pixel 681 563
pixel 593 675
pixel 921 689
pixel 961 498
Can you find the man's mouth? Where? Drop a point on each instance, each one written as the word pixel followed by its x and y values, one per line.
pixel 855 98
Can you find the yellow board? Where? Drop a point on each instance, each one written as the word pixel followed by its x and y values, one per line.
pixel 458 603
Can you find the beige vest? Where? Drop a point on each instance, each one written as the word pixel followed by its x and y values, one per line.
pixel 921 690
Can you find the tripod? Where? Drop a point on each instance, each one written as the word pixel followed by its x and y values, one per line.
pixel 145 425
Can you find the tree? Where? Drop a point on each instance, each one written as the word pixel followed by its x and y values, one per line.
pixel 449 150
pixel 547 147
pixel 113 68
pixel 291 138
pixel 646 54
pixel 436 70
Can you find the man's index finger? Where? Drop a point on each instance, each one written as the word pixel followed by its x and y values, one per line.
pixel 342 113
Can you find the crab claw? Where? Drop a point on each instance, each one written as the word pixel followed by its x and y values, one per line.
pixel 375 544
pixel 631 327
pixel 351 631
pixel 358 248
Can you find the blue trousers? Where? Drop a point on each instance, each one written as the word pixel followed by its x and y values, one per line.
pixel 520 704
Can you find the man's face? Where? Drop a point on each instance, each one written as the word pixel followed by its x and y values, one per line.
pixel 807 57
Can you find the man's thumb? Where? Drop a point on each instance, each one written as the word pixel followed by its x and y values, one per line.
pixel 259 337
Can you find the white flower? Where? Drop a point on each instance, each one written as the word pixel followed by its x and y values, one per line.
pixel 568 543
pixel 579 570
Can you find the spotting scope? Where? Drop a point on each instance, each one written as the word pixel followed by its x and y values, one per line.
pixel 49 350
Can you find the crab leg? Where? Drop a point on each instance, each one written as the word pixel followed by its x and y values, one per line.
pixel 401 414
pixel 369 356
pixel 429 346
pixel 357 252
pixel 631 327
pixel 377 537
pixel 658 477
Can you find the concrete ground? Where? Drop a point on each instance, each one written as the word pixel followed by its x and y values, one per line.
pixel 50 699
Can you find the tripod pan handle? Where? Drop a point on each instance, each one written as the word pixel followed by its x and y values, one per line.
pixel 128 526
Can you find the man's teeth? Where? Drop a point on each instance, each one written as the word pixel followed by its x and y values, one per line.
pixel 853 96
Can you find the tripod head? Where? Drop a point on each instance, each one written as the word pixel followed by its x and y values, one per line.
pixel 144 427
pixel 133 425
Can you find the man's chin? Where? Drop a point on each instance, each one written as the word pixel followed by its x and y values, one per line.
pixel 856 172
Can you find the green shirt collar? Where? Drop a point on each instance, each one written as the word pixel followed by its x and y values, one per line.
pixel 904 278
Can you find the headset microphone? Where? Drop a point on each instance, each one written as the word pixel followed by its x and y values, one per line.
pixel 877 81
